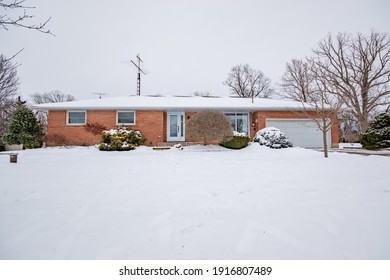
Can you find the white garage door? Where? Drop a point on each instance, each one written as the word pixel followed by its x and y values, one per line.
pixel 302 132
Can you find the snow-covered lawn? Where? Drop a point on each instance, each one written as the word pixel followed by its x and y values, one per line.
pixel 196 203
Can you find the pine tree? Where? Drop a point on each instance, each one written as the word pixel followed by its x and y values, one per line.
pixel 23 129
pixel 377 135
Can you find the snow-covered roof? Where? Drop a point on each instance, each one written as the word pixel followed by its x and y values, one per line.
pixel 174 103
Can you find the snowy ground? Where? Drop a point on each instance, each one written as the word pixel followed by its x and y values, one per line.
pixel 198 203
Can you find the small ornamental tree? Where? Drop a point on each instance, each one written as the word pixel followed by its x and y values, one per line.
pixel 378 133
pixel 210 127
pixel 95 128
pixel 23 129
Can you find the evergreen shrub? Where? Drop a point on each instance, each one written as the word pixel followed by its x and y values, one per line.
pixel 273 138
pixel 23 129
pixel 236 143
pixel 377 135
pixel 122 139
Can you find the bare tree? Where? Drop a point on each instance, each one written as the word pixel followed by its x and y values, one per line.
pixel 54 96
pixel 51 97
pixel 303 81
pixel 297 81
pixel 349 129
pixel 209 126
pixel 7 107
pixel 248 82
pixel 8 89
pixel 20 20
pixel 356 69
pixel 324 104
pixel 8 78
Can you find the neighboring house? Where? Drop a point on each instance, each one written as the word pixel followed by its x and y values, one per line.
pixel 163 119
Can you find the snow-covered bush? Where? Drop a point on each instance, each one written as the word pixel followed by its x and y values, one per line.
pixel 272 137
pixel 122 139
pixel 377 135
pixel 239 141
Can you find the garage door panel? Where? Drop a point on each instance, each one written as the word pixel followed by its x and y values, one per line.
pixel 303 133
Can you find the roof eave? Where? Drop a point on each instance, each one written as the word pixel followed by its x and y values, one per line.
pixel 167 108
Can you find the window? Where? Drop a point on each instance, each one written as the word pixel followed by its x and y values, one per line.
pixel 125 117
pixel 76 118
pixel 239 122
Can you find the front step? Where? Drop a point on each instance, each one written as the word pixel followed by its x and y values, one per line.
pixel 161 148
pixel 171 144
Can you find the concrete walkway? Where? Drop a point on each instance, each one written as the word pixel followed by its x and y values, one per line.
pixel 359 151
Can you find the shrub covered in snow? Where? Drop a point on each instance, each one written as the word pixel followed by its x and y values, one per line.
pixel 122 139
pixel 272 137
pixel 378 133
pixel 239 141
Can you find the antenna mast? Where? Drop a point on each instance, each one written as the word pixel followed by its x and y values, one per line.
pixel 100 94
pixel 138 66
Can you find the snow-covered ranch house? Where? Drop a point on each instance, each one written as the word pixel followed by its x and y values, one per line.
pixel 163 119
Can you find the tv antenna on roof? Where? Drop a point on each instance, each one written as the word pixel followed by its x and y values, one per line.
pixel 138 66
pixel 100 94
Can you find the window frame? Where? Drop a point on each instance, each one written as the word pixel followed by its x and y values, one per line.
pixel 125 111
pixel 76 111
pixel 235 119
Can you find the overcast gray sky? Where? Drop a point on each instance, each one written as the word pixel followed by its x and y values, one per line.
pixel 186 46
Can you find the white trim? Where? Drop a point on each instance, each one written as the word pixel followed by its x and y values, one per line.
pixel 76 111
pixel 125 111
pixel 242 113
pixel 178 138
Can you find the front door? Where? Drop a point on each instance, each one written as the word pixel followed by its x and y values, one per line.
pixel 175 126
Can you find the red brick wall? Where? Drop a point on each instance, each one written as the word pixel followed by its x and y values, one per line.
pixel 153 124
pixel 150 123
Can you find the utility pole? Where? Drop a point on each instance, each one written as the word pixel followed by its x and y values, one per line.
pixel 138 66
